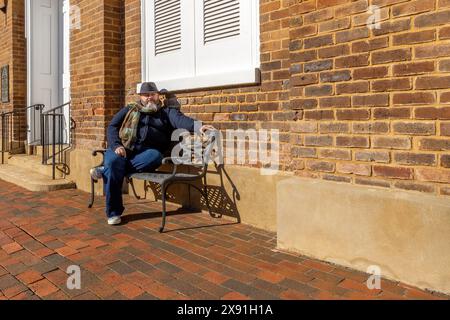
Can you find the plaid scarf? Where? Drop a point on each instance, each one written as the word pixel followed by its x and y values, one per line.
pixel 128 130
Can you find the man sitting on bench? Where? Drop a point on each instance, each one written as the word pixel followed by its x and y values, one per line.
pixel 138 136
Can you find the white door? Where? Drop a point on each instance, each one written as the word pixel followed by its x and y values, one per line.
pixel 48 65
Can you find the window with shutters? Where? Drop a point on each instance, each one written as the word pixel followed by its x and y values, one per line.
pixel 194 44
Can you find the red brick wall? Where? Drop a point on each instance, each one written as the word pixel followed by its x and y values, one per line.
pixel 13 53
pixel 374 103
pixel 353 105
pixel 97 69
pixel 368 107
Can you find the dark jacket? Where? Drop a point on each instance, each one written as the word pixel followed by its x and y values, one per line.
pixel 154 130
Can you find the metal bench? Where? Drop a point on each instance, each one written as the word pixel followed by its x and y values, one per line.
pixel 166 179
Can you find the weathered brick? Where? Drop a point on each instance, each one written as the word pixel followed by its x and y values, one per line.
pixel 445 191
pixel 353 114
pixel 335 154
pixel 409 158
pixel 335 51
pixel 413 68
pixel 322 166
pixel 370 73
pixel 352 87
pixel 373 156
pixel 433 175
pixel 329 3
pixel 335 102
pixel 445 97
pixel 414 186
pixel 372 182
pixel 318 16
pixel 301 152
pixel 434 144
pixel 317 91
pixel 359 60
pixel 352 142
pixel 433 82
pixel 416 98
pixel 391 143
pixel 356 169
pixel 352 8
pixel 304 7
pixel 445 160
pixel 320 41
pixel 432 19
pixel 414 128
pixel 433 113
pixel 334 25
pixel 391 113
pixel 444 33
pixel 335 76
pixel 393 172
pixel 331 177
pixel 375 100
pixel 304 31
pixel 371 127
pixel 414 37
pixel 303 127
pixel 444 65
pixel 303 56
pixel 334 127
pixel 319 115
pixel 391 85
pixel 304 104
pixel 318 65
pixel 432 51
pixel 392 26
pixel 413 7
pixel 304 80
pixel 370 45
pixel 388 56
pixel 352 34
pixel 364 18
pixel 445 129
pixel 318 141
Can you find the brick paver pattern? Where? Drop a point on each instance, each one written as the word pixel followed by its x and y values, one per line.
pixel 200 257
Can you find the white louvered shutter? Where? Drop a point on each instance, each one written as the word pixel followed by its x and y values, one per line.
pixel 224 36
pixel 169 41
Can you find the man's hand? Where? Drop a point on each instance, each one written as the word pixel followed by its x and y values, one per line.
pixel 120 151
pixel 206 128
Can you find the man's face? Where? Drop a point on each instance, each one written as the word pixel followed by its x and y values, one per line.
pixel 147 98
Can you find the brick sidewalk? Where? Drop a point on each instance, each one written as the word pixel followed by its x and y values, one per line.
pixel 42 234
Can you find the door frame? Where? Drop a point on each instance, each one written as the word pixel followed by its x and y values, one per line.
pixel 61 29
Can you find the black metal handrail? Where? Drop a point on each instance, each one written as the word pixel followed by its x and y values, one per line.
pixel 53 127
pixel 7 122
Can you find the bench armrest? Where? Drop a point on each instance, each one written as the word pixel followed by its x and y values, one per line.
pixel 170 160
pixel 102 152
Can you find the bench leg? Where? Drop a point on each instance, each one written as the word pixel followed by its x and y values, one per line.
pixel 91 203
pixel 164 213
pixel 134 190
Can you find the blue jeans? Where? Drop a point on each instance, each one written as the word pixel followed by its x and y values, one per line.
pixel 117 167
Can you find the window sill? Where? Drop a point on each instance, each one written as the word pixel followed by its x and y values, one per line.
pixel 244 77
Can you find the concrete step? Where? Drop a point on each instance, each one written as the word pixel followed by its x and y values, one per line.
pixel 34 164
pixel 32 181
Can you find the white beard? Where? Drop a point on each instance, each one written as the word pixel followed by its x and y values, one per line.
pixel 151 107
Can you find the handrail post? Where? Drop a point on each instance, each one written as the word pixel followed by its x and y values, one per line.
pixel 3 137
pixel 53 145
pixel 42 137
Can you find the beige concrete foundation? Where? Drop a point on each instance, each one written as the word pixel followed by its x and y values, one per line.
pixel 406 234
